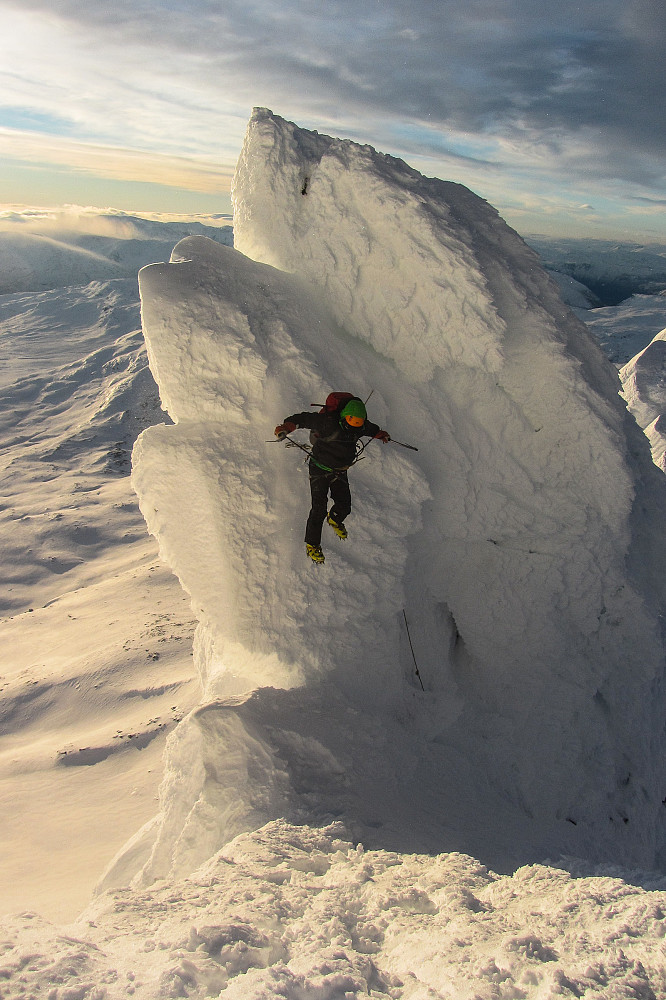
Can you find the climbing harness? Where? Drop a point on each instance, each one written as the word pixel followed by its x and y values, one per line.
pixel 360 448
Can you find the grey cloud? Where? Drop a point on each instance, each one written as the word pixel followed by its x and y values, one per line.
pixel 490 67
pixel 651 202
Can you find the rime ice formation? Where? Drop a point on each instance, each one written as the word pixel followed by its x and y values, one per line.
pixel 524 540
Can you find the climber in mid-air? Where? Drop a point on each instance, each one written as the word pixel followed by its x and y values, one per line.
pixel 336 430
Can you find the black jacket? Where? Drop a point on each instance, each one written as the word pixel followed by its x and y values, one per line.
pixel 334 444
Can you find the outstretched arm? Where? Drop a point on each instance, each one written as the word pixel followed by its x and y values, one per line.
pixel 297 420
pixel 375 431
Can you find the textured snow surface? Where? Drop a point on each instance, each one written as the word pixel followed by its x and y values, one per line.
pixel 644 388
pixel 297 913
pixel 95 632
pixel 523 540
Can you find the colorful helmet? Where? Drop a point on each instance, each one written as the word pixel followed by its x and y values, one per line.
pixel 354 413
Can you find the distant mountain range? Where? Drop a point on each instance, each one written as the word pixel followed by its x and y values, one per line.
pixel 613 271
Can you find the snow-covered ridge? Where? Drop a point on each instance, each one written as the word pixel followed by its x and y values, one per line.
pixel 36 255
pixel 375 217
pixel 644 388
pixel 523 541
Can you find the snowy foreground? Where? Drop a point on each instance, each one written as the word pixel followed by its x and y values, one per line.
pixel 303 914
pixel 327 829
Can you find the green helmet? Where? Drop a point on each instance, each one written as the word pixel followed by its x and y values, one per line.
pixel 354 413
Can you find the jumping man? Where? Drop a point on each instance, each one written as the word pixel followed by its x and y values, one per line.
pixel 335 435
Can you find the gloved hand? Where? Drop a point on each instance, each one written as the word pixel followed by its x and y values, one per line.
pixel 283 429
pixel 383 436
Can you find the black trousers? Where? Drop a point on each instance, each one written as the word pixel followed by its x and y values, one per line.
pixel 321 483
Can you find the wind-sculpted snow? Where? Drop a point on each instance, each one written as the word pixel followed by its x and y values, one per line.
pixel 644 388
pixel 393 261
pixel 226 506
pixel 523 540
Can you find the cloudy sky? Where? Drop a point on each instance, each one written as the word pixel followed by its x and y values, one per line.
pixel 550 109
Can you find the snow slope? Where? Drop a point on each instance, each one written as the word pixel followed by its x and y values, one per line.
pixel 644 388
pixel 523 541
pixel 96 636
pixel 625 330
pixel 37 254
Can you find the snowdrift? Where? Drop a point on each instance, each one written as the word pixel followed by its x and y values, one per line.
pixel 524 542
pixel 290 912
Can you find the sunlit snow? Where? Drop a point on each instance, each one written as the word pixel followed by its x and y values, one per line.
pixel 644 388
pixel 327 828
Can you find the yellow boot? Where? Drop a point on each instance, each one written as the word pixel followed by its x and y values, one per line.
pixel 315 553
pixel 339 529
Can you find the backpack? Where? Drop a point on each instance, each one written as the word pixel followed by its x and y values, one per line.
pixel 335 401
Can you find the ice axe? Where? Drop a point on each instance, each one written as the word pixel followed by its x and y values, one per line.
pixel 402 444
